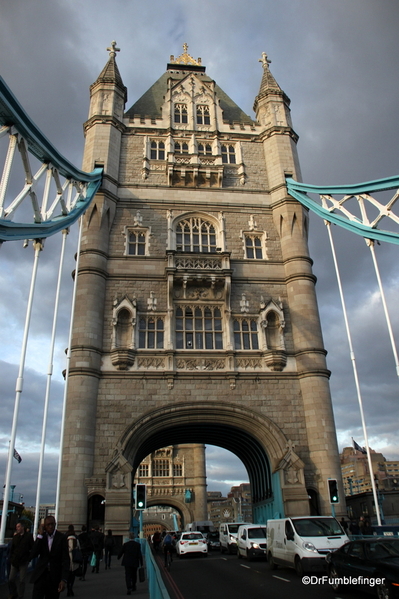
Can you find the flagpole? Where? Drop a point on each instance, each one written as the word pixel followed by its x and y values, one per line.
pixel 352 356
pixel 38 246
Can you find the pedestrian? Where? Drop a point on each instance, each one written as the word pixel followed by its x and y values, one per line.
pixel 367 530
pixel 132 559
pixel 109 544
pixel 97 540
pixel 344 524
pixel 362 525
pixel 73 544
pixel 86 548
pixel 167 546
pixel 51 572
pixel 156 539
pixel 20 549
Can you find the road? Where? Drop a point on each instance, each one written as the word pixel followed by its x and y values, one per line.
pixel 218 576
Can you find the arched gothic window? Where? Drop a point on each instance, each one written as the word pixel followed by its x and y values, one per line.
pixel 181 148
pixel 228 154
pixel 136 243
pixel 207 149
pixel 195 235
pixel 203 115
pixel 253 247
pixel 157 150
pixel 180 113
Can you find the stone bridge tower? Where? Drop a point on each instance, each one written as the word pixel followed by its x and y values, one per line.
pixel 196 317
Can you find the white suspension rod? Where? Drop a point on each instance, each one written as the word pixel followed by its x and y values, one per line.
pixel 57 499
pixel 48 384
pixel 37 244
pixel 352 356
pixel 370 243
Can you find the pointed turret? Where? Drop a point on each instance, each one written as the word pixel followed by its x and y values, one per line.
pixel 110 73
pixel 103 129
pixel 270 96
pixel 268 82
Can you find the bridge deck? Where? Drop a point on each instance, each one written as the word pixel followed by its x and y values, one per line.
pixel 108 583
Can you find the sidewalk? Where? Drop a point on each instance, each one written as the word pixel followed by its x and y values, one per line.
pixel 106 584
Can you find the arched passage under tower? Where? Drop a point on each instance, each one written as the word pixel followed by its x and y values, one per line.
pixel 275 472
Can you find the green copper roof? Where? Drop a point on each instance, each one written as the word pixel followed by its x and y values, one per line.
pixel 150 103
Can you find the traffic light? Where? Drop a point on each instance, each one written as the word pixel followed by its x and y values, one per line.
pixel 141 497
pixel 333 490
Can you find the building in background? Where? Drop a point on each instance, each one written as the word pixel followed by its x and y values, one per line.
pixel 236 507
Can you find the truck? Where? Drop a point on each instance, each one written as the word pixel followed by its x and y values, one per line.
pixel 203 526
pixel 303 542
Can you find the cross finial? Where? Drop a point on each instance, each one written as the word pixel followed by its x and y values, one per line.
pixel 264 60
pixel 185 47
pixel 113 49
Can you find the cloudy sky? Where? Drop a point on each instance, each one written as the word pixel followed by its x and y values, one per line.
pixel 336 60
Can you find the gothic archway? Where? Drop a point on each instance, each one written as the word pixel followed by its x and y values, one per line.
pixel 275 471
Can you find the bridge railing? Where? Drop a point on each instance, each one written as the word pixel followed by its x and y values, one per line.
pixel 56 192
pixel 156 585
pixel 360 208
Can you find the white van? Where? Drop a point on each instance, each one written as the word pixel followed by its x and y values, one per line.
pixel 251 541
pixel 228 536
pixel 303 542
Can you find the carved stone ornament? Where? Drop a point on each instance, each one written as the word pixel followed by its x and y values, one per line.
pixel 122 358
pixel 276 359
pixel 118 481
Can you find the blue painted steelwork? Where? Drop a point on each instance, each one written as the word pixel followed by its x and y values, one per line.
pixel 156 585
pixel 271 508
pixel 361 193
pixel 12 115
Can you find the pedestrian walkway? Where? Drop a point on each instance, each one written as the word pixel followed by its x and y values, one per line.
pixel 108 584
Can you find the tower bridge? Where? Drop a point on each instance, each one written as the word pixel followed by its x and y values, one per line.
pixel 195 318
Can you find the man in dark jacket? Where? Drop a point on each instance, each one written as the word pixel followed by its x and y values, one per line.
pixel 132 559
pixel 97 541
pixel 21 546
pixel 51 572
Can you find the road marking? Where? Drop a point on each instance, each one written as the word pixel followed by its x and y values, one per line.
pixel 244 566
pixel 280 578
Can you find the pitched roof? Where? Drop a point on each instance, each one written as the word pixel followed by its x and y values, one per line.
pixel 111 74
pixel 150 103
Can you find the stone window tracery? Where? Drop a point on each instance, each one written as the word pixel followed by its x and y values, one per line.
pixel 203 115
pixel 136 242
pixel 199 327
pixel 205 149
pixel 144 470
pixel 151 332
pixel 228 154
pixel 157 150
pixel 177 469
pixel 195 235
pixel 181 148
pixel 245 334
pixel 253 247
pixel 180 113
pixel 160 468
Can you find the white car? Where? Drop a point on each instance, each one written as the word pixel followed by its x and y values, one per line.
pixel 191 542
